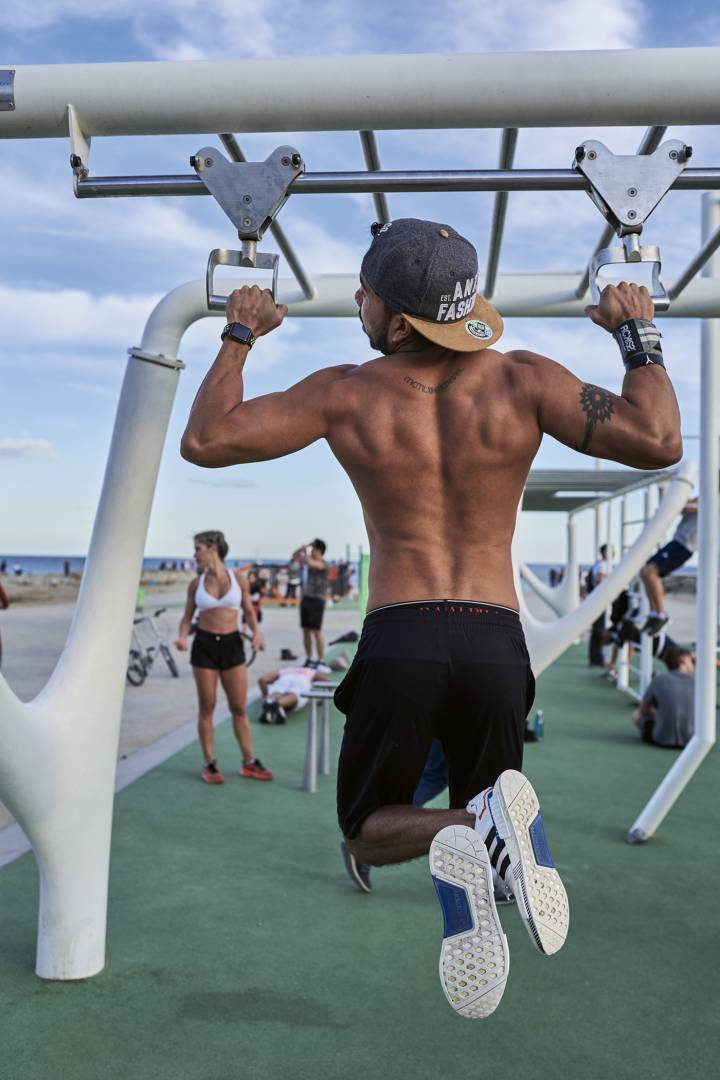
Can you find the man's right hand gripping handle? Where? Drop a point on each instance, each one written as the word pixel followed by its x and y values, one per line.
pixel 621 302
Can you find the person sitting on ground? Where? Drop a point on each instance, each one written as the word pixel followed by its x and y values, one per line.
pixel 286 690
pixel 665 715
pixel 664 561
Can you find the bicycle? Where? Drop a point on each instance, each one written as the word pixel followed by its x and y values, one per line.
pixel 142 655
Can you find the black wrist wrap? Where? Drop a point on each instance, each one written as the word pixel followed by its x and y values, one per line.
pixel 639 343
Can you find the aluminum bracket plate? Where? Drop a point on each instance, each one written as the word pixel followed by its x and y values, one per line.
pixel 7 89
pixel 250 192
pixel 626 188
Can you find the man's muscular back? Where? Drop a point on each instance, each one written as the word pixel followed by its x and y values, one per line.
pixel 437 443
pixel 438 454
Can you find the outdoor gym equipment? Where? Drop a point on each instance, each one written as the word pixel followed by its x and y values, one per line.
pixel 626 188
pixel 251 194
pixel 64 800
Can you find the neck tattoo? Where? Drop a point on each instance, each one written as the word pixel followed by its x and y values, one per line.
pixel 424 389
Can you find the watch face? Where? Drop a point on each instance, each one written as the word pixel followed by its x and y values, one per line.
pixel 241 333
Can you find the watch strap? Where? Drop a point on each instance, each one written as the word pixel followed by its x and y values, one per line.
pixel 240 333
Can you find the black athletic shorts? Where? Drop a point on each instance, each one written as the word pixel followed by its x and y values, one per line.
pixel 217 651
pixel 454 670
pixel 311 612
pixel 670 557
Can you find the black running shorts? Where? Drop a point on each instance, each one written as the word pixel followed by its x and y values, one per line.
pixel 311 612
pixel 217 651
pixel 454 670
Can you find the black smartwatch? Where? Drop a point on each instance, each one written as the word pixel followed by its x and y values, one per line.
pixel 237 332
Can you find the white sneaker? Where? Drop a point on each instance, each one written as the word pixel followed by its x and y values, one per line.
pixel 508 819
pixel 474 957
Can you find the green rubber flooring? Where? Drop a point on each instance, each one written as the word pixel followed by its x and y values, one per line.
pixel 238 948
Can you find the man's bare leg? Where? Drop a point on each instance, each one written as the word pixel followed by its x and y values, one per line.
pixel 394 834
pixel 653 587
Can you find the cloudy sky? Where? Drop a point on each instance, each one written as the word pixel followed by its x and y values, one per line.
pixel 79 278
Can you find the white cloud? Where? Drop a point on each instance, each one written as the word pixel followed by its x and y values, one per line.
pixel 525 25
pixel 27 448
pixel 71 316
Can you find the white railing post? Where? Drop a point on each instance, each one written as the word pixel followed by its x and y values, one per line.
pixel 707 577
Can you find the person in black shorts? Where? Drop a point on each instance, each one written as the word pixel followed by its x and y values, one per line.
pixel 218 654
pixel 450 670
pixel 664 562
pixel 312 605
pixel 437 433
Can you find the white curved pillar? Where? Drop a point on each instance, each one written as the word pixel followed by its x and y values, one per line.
pixel 565 597
pixel 58 753
pixel 546 641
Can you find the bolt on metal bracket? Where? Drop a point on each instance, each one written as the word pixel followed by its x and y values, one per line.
pixel 7 89
pixel 79 148
pixel 251 193
pixel 626 188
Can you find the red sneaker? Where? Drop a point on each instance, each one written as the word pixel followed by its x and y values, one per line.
pixel 255 770
pixel 211 774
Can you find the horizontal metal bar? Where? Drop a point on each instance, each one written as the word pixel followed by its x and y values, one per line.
pixel 233 148
pixel 580 88
pixel 347 183
pixel 507 153
pixel 648 144
pixel 372 160
pixel 706 252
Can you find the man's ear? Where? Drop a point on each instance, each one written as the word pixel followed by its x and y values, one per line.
pixel 399 330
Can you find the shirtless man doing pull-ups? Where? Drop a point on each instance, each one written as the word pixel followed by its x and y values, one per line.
pixel 437 435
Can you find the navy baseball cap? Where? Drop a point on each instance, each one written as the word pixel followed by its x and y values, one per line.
pixel 428 272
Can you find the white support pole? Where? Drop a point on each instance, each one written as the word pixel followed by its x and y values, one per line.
pixel 58 753
pixel 704 735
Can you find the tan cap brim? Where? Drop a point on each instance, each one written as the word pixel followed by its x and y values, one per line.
pixel 482 328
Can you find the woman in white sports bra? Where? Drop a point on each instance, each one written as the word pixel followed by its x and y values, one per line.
pixel 217 651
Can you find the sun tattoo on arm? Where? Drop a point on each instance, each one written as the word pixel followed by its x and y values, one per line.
pixel 599 406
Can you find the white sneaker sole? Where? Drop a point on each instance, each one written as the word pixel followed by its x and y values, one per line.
pixel 541 897
pixel 474 958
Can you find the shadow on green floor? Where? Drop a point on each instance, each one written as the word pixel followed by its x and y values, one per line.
pixel 238 948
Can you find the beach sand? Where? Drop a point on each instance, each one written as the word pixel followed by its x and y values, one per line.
pixel 34 635
pixel 57 589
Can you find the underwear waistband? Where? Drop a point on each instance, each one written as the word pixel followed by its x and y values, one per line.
pixel 474 610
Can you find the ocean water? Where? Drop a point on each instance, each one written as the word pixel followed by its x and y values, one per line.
pixel 53 564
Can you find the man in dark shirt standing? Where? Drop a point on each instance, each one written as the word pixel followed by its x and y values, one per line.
pixel 312 605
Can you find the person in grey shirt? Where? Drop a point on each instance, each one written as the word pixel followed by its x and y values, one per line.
pixel 312 606
pixel 665 715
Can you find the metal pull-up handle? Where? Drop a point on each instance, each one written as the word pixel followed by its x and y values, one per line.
pixel 251 193
pixel 626 188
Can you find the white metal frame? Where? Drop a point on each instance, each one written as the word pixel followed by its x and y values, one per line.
pixel 66 807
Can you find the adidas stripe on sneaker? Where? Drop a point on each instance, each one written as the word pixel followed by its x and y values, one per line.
pixel 509 820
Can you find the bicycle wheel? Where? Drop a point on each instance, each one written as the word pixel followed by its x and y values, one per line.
pixel 170 661
pixel 136 672
pixel 250 652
